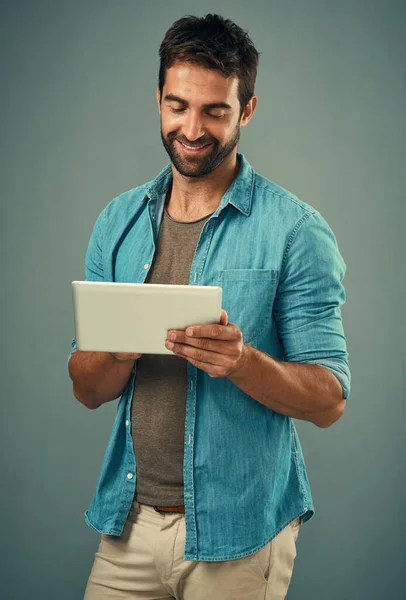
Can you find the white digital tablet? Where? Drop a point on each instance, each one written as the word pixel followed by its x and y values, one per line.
pixel 135 317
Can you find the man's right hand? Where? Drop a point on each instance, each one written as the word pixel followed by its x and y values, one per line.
pixel 125 355
pixel 99 377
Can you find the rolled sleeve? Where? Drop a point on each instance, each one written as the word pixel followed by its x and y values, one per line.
pixel 309 296
pixel 93 262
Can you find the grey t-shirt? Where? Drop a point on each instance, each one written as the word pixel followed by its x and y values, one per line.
pixel 159 403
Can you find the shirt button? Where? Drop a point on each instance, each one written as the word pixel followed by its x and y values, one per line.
pixel 146 266
pixel 126 423
pixel 129 476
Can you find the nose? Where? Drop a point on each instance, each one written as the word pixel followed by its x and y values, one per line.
pixel 192 129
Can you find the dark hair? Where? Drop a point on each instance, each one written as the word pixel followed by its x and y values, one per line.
pixel 214 43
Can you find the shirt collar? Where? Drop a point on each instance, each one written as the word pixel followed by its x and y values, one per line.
pixel 239 194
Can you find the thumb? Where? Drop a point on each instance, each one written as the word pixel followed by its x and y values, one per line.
pixel 224 317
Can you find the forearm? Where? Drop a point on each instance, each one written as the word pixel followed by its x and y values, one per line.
pixel 303 391
pixel 98 377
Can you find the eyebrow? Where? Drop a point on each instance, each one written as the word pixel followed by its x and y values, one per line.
pixel 186 103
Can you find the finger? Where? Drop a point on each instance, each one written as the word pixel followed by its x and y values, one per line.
pixel 203 356
pixel 213 331
pixel 218 346
pixel 212 370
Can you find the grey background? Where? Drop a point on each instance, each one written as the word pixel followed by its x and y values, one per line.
pixel 79 125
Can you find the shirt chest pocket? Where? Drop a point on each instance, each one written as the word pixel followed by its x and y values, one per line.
pixel 248 297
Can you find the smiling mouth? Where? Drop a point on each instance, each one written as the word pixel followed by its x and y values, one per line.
pixel 193 148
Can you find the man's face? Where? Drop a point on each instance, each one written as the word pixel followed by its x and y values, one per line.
pixel 187 118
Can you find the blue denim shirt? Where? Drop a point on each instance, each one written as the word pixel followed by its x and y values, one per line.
pixel 281 272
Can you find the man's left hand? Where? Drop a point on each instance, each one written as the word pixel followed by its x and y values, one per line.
pixel 217 349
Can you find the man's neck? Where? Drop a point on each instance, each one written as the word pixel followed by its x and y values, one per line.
pixel 190 199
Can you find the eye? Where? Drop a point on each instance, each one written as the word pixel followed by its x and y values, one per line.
pixel 181 110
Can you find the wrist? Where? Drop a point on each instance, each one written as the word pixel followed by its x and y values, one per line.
pixel 129 357
pixel 243 365
pixel 113 355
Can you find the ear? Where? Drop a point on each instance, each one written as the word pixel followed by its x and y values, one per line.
pixel 249 111
pixel 158 99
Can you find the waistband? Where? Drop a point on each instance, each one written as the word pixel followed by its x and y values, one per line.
pixel 178 509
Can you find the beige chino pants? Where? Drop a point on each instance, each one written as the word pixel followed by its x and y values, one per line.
pixel 146 563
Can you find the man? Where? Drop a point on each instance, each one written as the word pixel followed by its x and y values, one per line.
pixel 203 486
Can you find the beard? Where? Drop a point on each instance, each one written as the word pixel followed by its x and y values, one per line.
pixel 199 165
